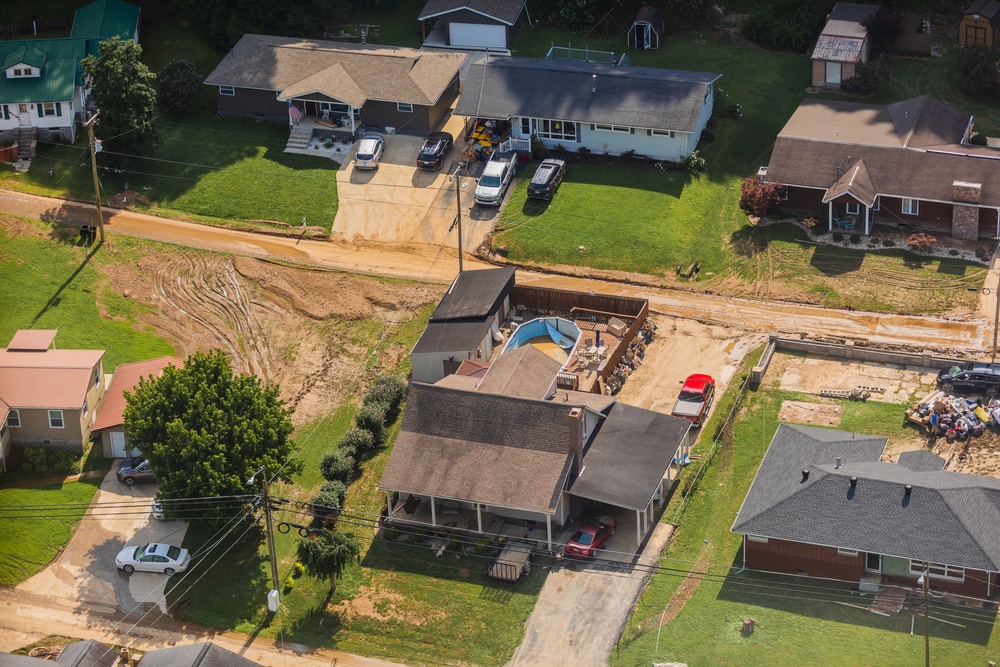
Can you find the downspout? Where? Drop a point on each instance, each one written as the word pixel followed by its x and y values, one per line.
pixel 829 215
pixel 740 571
pixel 433 513
pixel 548 531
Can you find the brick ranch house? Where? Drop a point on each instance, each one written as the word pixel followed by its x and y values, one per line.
pixel 824 504
pixel 908 164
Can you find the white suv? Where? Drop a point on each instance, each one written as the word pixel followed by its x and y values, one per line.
pixel 496 177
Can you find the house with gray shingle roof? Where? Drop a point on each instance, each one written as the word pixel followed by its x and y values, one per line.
pixel 344 85
pixel 91 653
pixel 825 504
pixel 908 164
pixel 472 24
pixel 612 109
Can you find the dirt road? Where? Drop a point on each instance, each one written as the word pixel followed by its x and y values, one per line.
pixel 965 334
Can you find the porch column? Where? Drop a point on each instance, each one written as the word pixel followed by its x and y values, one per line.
pixel 868 220
pixel 548 530
pixel 434 521
pixel 638 534
pixel 388 504
pixel 350 109
pixel 479 516
pixel 998 223
pixel 829 215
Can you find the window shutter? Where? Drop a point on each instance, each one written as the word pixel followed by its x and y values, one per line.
pixel 593 127
pixel 6 113
pixel 59 108
pixel 631 130
pixel 649 133
pixel 41 111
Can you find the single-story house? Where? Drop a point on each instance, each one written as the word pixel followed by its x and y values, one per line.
pixel 824 504
pixel 346 85
pixel 604 108
pixel 104 19
pixel 980 24
pixel 915 40
pixel 48 397
pixel 472 24
pixel 647 30
pixel 465 325
pixel 92 653
pixel 109 418
pixel 908 164
pixel 841 47
pixel 529 460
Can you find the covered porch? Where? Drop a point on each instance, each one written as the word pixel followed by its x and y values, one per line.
pixel 323 111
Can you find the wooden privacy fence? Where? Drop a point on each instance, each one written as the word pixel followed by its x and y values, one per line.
pixel 556 301
pixel 8 154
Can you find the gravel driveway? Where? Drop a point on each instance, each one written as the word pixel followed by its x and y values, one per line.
pixel 85 570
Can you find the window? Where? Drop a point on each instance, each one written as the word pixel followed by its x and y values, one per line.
pixel 875 205
pixel 14 418
pixel 910 206
pixel 526 127
pixel 404 107
pixel 660 133
pixel 852 209
pixel 612 128
pixel 86 409
pixel 334 107
pixel 873 562
pixel 56 419
pixel 49 109
pixel 97 377
pixel 6 112
pixel 847 552
pixel 937 570
pixel 227 91
pixel 27 71
pixel 17 71
pixel 756 538
pixel 559 130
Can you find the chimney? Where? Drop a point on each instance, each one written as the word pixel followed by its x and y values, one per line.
pixel 837 464
pixel 805 474
pixel 854 481
pixel 907 490
pixel 576 437
pixel 965 191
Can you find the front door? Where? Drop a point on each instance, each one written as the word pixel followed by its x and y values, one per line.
pixel 873 563
pixel 833 73
pixel 117 444
pixel 23 117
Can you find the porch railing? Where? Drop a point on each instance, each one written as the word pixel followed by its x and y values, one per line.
pixel 512 144
pixel 586 54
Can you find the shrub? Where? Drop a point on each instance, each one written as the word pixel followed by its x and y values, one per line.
pixel 838 237
pixel 177 85
pixel 575 14
pixel 331 495
pixel 854 238
pixel 483 546
pixel 298 570
pixel 920 242
pixel 289 584
pixel 757 197
pixel 359 441
pixel 60 466
pixel 538 149
pixel 977 69
pixel 372 418
pixel 35 454
pixel 387 389
pixel 337 465
pixel 582 151
pixel 629 154
pixel 978 139
pixel 888 243
pixel 26 467
pixel 953 252
pixel 884 26
pixel 785 25
pixel 866 79
pixel 695 163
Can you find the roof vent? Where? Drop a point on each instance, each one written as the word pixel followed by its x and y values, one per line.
pixel 805 474
pixel 854 481
pixel 907 490
pixel 837 464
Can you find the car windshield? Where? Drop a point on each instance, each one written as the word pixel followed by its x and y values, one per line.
pixel 140 552
pixel 542 175
pixel 690 396
pixel 955 370
pixel 430 147
pixel 582 538
pixel 490 181
pixel 173 553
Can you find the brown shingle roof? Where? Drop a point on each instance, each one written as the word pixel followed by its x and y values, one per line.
pixel 127 378
pixel 505 11
pixel 32 340
pixel 855 182
pixel 526 372
pixel 350 72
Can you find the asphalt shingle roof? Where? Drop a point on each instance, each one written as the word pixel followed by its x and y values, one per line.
pixel 851 11
pixel 474 294
pixel 205 654
pixel 505 11
pixel 988 8
pixel 526 372
pixel 642 97
pixel 949 517
pixel 453 336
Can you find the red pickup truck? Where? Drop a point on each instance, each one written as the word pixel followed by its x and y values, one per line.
pixel 696 398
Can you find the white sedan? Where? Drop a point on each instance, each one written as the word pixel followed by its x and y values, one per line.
pixel 153 557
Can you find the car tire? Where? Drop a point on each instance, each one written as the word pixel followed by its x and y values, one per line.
pixel 129 481
pixel 169 571
pixel 948 388
pixel 128 569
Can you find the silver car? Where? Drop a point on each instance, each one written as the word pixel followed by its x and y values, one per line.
pixel 153 557
pixel 369 151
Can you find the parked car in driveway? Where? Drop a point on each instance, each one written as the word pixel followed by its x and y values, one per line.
pixel 496 178
pixel 369 151
pixel 695 398
pixel 433 150
pixel 591 537
pixel 135 470
pixel 971 377
pixel 548 176
pixel 153 557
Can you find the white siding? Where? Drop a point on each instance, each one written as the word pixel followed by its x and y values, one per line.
pixel 657 147
pixel 32 119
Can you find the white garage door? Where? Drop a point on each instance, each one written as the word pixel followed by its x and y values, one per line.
pixel 117 444
pixel 477 35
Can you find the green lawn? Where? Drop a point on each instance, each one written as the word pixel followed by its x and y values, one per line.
pixel 799 622
pixel 50 284
pixel 28 542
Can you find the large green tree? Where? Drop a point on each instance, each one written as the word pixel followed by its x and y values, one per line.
pixel 125 93
pixel 206 430
pixel 326 554
pixel 223 22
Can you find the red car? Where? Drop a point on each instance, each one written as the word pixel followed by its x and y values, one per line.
pixel 591 537
pixel 696 398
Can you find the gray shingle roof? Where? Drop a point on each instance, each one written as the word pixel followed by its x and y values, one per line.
pixel 921 460
pixel 949 518
pixel 353 73
pixel 526 372
pixel 457 336
pixel 640 97
pixel 506 11
pixel 851 11
pixel 628 455
pixel 205 654
pixel 474 294
pixel 87 653
pixel 988 8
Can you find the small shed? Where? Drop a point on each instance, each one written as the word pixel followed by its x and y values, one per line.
pixel 980 24
pixel 647 29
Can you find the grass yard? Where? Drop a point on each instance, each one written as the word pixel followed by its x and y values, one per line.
pixel 799 622
pixel 50 284
pixel 28 545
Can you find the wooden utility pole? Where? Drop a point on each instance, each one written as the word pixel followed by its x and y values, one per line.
pixel 458 218
pixel 93 167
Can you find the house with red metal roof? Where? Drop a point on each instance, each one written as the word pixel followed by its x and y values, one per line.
pixel 47 396
pixel 108 424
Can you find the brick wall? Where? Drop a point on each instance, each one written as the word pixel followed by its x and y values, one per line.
pixel 965 222
pixel 967 192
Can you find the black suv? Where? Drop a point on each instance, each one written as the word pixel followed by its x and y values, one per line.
pixel 435 147
pixel 135 471
pixel 972 376
pixel 548 176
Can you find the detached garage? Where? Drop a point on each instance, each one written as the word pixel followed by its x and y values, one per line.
pixel 109 418
pixel 472 24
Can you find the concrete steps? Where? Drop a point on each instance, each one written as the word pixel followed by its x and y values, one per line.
pixel 299 138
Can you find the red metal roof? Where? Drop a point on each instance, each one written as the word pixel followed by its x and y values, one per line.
pixel 127 378
pixel 57 379
pixel 33 340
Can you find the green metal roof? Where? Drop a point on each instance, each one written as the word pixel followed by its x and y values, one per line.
pixel 60 74
pixel 104 19
pixel 27 54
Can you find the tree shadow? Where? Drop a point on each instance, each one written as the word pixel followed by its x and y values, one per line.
pixel 952 268
pixel 835 261
pixel 56 297
pixel 749 240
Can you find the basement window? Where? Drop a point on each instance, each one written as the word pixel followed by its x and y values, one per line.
pixel 227 91
pixel 847 552
pixel 756 538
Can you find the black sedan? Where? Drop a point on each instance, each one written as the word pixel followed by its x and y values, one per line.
pixel 436 146
pixel 548 176
pixel 971 377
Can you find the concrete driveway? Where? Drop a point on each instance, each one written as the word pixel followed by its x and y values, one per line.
pixel 398 203
pixel 85 570
pixel 583 608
